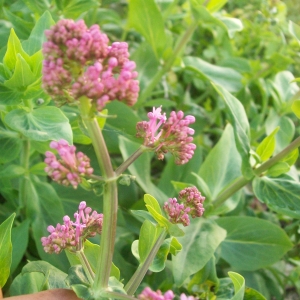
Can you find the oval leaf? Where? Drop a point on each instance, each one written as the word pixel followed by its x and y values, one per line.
pixel 280 194
pixel 6 249
pixel 202 237
pixel 252 243
pixel 42 124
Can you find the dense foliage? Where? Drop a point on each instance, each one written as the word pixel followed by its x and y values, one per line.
pixel 233 65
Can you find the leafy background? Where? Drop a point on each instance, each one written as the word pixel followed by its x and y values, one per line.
pixel 231 64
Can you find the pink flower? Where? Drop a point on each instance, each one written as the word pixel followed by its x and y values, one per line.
pixel 71 234
pixel 79 62
pixel 70 168
pixel 191 205
pixel 148 294
pixel 168 135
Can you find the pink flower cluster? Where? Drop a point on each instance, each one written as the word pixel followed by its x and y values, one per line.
pixel 70 235
pixel 79 62
pixel 192 204
pixel 70 168
pixel 148 294
pixel 168 135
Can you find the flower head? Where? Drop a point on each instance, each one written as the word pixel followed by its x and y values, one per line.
pixel 71 234
pixel 168 135
pixel 191 205
pixel 70 167
pixel 148 294
pixel 79 62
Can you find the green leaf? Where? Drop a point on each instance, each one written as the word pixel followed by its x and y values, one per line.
pixel 37 36
pixel 12 171
pixel 239 120
pixel 296 108
pixel 202 237
pixel 266 148
pixel 42 124
pixel 19 238
pixel 217 175
pixel 284 86
pixel 151 201
pixel 175 246
pixel 75 8
pixel 294 29
pixel 10 148
pixel 215 5
pixel 248 237
pixel 14 48
pixel 37 6
pixel 233 25
pixel 22 76
pixel 9 96
pixel 42 198
pixel 251 294
pixel 239 285
pixel 21 26
pixel 148 236
pixel 6 249
pixel 208 274
pixel 146 18
pixel 279 194
pixel 159 262
pixel 286 132
pixel 291 158
pixel 278 169
pixel 221 76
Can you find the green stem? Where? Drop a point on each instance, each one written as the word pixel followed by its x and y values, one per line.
pixel 167 66
pixel 110 197
pixel 86 266
pixel 141 271
pixel 130 160
pixel 241 181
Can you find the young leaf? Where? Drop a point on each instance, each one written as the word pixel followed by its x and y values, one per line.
pixel 146 18
pixel 215 5
pixel 278 169
pixel 296 108
pixel 151 201
pixel 37 36
pixel 248 237
pixel 148 236
pixel 239 121
pixel 239 285
pixel 266 148
pixel 22 76
pixel 6 249
pixel 14 48
pixel 279 194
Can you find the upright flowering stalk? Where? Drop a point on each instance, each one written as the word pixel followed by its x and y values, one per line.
pixel 71 234
pixel 168 135
pixel 80 62
pixel 70 168
pixel 191 205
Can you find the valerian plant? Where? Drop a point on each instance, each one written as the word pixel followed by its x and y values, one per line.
pixel 201 99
